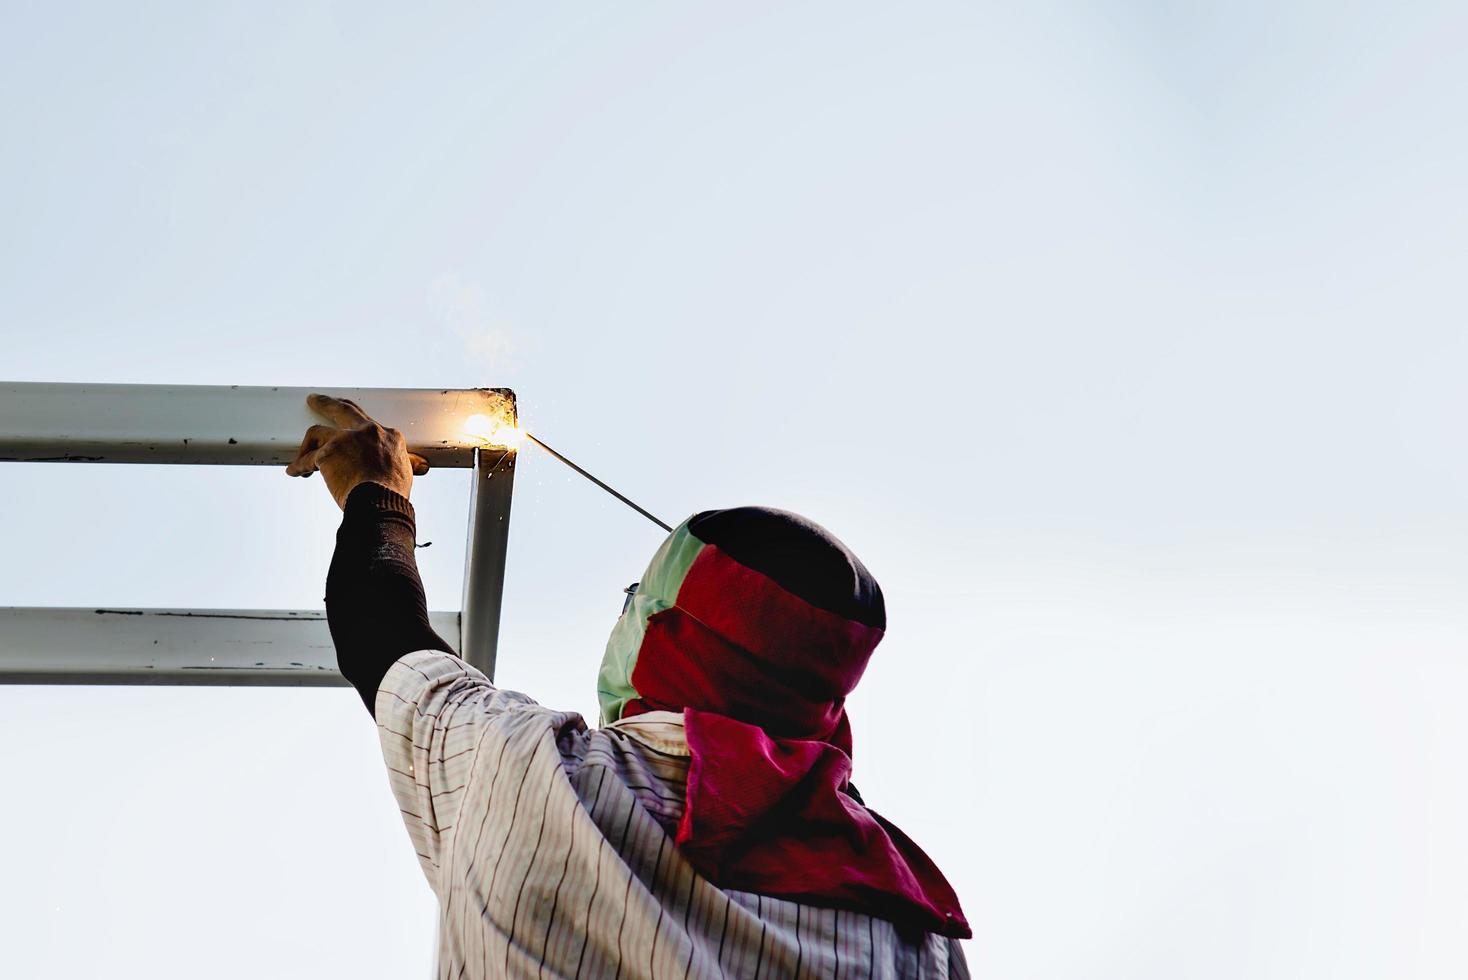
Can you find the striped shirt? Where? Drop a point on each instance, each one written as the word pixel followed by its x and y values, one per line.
pixel 550 848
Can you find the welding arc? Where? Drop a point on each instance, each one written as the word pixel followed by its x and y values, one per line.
pixel 614 493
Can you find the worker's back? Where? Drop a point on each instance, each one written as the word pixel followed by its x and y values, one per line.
pixel 551 849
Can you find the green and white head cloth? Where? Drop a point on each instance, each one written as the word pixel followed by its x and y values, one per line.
pixel 658 590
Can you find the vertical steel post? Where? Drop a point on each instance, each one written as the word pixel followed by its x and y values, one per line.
pixel 484 558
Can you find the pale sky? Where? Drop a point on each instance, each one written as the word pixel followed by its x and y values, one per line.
pixel 1124 342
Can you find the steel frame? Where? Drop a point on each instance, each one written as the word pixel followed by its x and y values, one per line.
pixel 243 426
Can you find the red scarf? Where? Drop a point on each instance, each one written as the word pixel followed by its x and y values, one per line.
pixel 761 676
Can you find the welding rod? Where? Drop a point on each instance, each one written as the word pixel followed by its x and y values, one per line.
pixel 614 493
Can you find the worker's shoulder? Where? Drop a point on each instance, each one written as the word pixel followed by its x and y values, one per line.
pixel 434 683
pixel 649 756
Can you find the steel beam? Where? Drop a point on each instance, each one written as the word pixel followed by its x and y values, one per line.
pixel 484 559
pixel 223 424
pixel 256 647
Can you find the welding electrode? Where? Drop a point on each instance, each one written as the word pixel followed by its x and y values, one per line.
pixel 614 493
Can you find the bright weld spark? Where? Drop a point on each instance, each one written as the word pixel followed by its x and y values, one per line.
pixel 494 432
pixel 501 433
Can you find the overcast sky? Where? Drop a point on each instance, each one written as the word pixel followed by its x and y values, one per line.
pixel 1124 342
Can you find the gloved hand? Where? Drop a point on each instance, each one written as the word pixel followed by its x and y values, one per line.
pixel 354 450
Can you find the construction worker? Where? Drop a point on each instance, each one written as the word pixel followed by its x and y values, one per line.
pixel 709 826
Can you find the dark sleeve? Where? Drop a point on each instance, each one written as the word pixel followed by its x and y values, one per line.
pixel 375 605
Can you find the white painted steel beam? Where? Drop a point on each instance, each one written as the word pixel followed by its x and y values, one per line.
pixel 223 424
pixel 275 647
pixel 484 564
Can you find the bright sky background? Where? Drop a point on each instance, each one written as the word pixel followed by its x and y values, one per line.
pixel 1124 342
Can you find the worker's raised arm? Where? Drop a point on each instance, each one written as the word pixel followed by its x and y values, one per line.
pixel 375 604
pixel 433 715
pixel 432 709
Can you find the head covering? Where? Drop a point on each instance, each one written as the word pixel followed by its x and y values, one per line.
pixel 756 623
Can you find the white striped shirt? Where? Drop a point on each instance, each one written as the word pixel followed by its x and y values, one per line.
pixel 550 848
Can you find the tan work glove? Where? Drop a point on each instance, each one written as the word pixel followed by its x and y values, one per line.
pixel 354 450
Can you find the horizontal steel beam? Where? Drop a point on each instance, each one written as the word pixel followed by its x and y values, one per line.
pixel 225 424
pixel 253 647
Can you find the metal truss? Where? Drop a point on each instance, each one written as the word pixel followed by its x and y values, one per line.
pixel 240 426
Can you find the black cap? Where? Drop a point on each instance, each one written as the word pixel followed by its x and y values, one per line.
pixel 798 555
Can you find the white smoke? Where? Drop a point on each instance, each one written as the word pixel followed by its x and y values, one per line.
pixel 462 309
